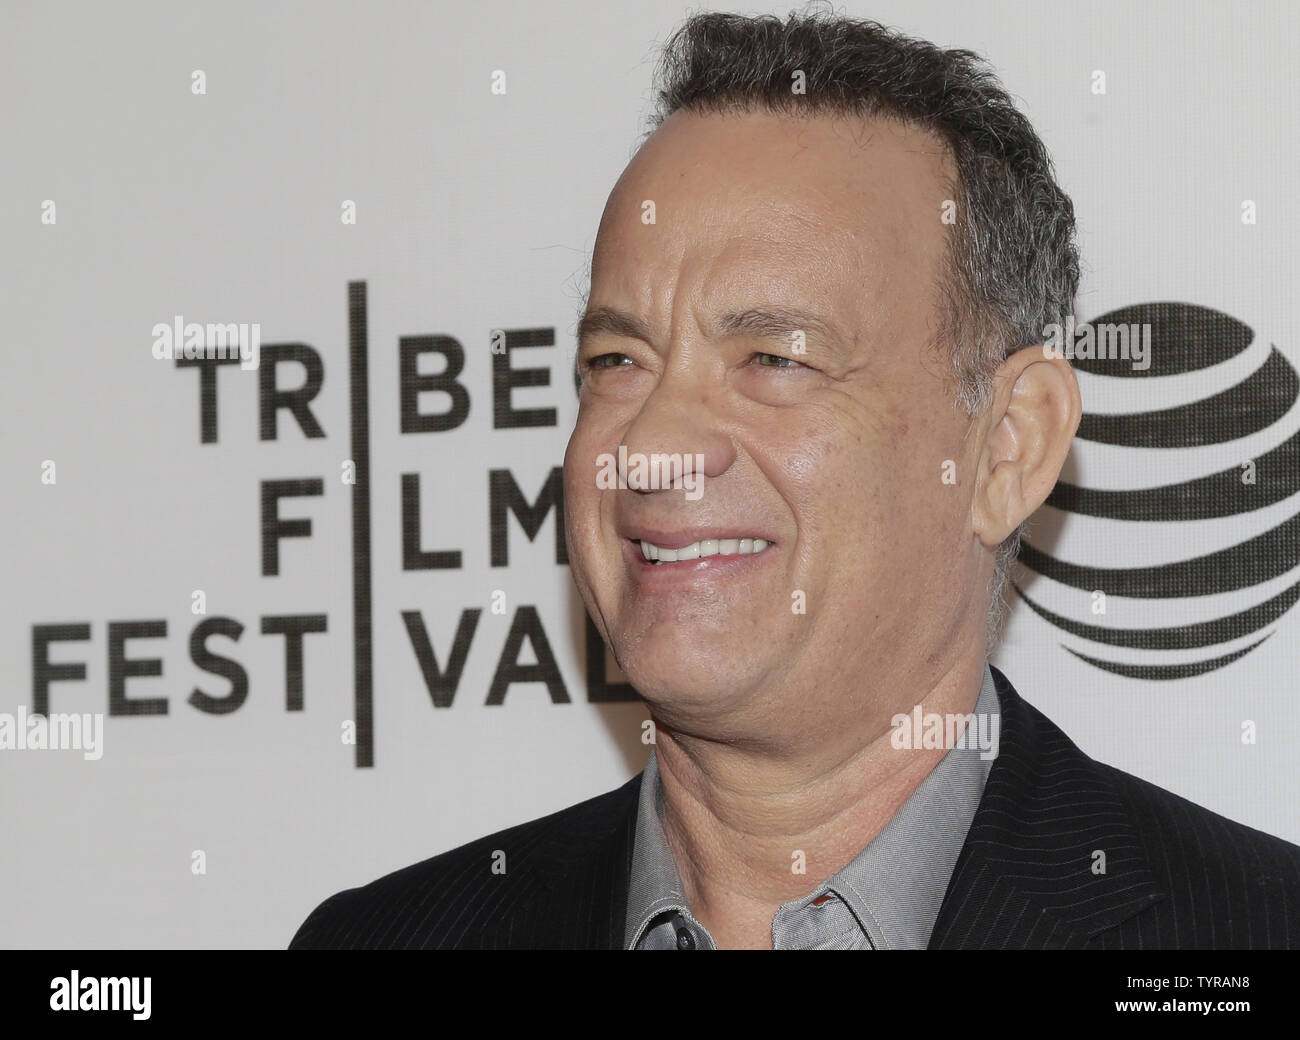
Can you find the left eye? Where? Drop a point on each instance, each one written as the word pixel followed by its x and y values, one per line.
pixel 775 361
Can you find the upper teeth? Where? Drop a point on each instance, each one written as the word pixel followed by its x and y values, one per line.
pixel 708 547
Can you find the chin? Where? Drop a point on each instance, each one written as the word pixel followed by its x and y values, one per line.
pixel 686 672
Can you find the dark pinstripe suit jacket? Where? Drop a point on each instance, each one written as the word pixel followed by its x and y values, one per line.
pixel 1176 874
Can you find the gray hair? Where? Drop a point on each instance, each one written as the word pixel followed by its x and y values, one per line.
pixel 1012 266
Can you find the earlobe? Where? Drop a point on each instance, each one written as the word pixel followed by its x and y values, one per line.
pixel 1030 423
pixel 999 496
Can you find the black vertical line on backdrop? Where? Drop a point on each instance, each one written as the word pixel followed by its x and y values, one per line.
pixel 359 407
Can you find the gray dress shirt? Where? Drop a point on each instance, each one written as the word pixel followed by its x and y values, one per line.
pixel 887 898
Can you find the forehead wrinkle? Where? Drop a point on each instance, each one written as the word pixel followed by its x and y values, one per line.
pixel 805 255
pixel 766 285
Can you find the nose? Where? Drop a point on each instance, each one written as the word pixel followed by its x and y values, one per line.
pixel 681 417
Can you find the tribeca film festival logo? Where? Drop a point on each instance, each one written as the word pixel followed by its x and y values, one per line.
pixel 57 732
pixel 211 342
pixel 656 471
pixel 1195 602
pixel 126 993
pixel 974 731
pixel 431 400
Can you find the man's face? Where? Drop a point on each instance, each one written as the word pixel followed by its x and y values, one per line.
pixel 830 448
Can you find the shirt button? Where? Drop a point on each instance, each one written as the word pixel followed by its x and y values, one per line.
pixel 684 940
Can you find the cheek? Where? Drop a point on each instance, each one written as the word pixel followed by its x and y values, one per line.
pixel 864 494
pixel 599 428
pixel 930 491
pixel 834 468
pixel 581 495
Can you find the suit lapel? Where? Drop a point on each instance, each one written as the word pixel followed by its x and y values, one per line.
pixel 1030 874
pixel 580 872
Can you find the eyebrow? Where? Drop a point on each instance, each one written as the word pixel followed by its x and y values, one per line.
pixel 774 323
pixel 613 322
pixel 768 322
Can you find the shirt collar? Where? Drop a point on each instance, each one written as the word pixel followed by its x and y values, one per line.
pixel 894 887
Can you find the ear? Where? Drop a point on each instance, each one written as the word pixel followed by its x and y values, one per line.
pixel 1027 431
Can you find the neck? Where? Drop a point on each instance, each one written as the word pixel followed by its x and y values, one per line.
pixel 751 829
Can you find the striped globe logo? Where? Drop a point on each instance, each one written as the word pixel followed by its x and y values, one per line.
pixel 1208 475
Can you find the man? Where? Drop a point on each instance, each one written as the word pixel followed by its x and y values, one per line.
pixel 821 285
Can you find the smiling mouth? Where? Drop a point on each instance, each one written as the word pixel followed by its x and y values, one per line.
pixel 703 549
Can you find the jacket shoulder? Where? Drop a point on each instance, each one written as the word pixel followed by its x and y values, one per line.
pixel 1228 884
pixel 453 899
pixel 1093 856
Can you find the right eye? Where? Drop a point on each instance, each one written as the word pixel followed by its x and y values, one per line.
pixel 609 361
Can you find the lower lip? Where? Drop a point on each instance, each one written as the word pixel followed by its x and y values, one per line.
pixel 681 572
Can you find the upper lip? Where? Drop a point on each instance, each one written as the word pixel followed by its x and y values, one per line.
pixel 683 536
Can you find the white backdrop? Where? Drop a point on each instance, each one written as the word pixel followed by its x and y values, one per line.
pixel 477 211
